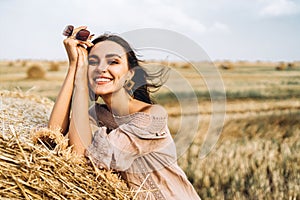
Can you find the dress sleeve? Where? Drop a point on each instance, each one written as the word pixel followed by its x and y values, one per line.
pixel 141 134
pixel 150 126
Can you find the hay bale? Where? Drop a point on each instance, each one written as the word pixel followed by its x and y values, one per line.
pixel 281 66
pixel 11 63
pixel 54 67
pixel 187 65
pixel 226 66
pixel 173 64
pixel 23 63
pixel 291 65
pixel 35 72
pixel 32 168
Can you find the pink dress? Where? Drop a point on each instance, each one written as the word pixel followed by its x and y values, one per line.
pixel 141 148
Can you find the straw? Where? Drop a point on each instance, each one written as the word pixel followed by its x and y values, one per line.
pixel 37 163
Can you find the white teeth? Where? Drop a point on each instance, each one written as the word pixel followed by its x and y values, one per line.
pixel 103 80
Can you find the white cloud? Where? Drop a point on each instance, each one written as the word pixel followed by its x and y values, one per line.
pixel 151 14
pixel 148 14
pixel 207 22
pixel 279 8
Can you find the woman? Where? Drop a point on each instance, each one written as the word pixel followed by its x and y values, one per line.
pixel 128 133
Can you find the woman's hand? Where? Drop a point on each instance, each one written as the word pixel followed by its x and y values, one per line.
pixel 71 45
pixel 81 67
pixel 77 55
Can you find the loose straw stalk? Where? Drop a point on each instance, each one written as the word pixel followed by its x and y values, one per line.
pixel 31 169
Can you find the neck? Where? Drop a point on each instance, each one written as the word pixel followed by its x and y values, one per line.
pixel 118 102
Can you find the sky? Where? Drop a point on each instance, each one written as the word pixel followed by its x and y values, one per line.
pixel 266 30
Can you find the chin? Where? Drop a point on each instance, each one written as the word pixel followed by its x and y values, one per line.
pixel 102 93
pixel 102 90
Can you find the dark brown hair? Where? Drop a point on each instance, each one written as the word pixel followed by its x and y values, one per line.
pixel 143 81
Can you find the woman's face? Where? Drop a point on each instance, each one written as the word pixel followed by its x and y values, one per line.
pixel 108 67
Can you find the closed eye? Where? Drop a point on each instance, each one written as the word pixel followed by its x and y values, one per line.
pixel 112 62
pixel 93 62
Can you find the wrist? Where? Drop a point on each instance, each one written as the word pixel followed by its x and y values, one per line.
pixel 81 79
pixel 81 88
pixel 72 65
pixel 71 73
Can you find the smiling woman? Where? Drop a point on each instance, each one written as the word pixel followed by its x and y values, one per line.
pixel 129 133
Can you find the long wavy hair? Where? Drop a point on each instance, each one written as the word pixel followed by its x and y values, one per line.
pixel 144 82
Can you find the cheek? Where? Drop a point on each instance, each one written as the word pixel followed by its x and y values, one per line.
pixel 122 76
pixel 119 71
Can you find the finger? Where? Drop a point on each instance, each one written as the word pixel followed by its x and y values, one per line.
pixel 87 43
pixel 91 36
pixel 85 53
pixel 82 51
pixel 70 42
pixel 82 55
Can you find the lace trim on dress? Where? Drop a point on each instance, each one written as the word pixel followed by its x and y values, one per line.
pixel 148 183
pixel 144 121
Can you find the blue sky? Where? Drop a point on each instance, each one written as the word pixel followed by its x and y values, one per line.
pixel 226 29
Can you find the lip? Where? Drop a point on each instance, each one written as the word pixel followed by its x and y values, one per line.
pixel 101 80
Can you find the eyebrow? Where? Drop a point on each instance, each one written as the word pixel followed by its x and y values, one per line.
pixel 112 55
pixel 94 56
pixel 106 56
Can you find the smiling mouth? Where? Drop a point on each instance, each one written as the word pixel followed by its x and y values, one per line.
pixel 102 80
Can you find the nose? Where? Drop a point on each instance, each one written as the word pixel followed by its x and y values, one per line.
pixel 102 67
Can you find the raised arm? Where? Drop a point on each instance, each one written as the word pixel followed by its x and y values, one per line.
pixel 60 114
pixel 80 134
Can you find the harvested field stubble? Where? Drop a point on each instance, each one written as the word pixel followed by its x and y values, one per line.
pixel 31 170
pixel 256 158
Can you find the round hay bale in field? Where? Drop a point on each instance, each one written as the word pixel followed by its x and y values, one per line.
pixel 226 66
pixel 35 72
pixel 23 111
pixel 23 63
pixel 11 63
pixel 54 67
pixel 281 66
pixel 291 65
pixel 187 65
pixel 36 163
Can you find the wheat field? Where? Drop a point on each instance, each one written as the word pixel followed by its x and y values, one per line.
pixel 257 155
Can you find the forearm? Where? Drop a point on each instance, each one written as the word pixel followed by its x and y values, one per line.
pixel 60 114
pixel 80 134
